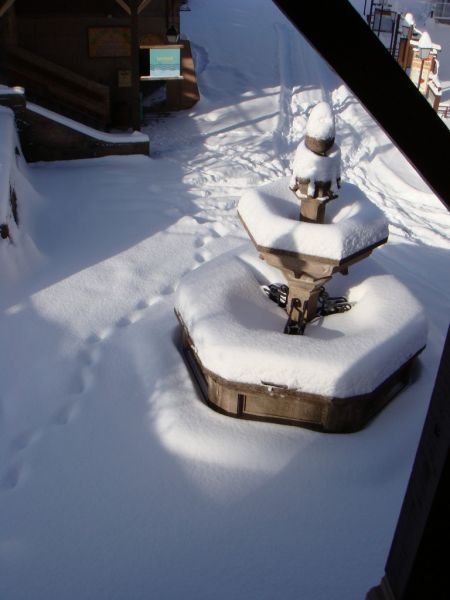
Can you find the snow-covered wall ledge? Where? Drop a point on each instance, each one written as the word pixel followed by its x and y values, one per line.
pixel 7 128
pixel 47 136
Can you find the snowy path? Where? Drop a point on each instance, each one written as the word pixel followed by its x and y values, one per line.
pixel 116 481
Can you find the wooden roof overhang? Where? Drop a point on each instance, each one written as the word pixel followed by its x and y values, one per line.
pixel 5 5
pixel 126 5
pixel 343 38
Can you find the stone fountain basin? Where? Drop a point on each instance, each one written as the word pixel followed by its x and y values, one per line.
pixel 352 224
pixel 334 378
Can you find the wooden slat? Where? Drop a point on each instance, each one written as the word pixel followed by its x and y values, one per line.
pixel 6 5
pixel 124 5
pixel 142 5
pixel 48 80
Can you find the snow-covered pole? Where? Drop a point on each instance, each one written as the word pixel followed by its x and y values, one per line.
pixel 316 168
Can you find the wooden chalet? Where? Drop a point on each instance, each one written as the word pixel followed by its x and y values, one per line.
pixel 89 60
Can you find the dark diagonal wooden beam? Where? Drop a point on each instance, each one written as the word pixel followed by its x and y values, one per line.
pixel 343 38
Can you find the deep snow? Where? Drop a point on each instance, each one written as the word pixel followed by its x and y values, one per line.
pixel 352 223
pixel 116 481
pixel 237 332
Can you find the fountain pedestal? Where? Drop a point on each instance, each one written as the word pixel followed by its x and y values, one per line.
pixel 309 254
pixel 335 378
pixel 347 366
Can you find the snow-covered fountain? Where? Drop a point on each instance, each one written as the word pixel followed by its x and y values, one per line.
pixel 265 339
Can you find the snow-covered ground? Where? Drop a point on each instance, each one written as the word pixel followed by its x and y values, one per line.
pixel 116 482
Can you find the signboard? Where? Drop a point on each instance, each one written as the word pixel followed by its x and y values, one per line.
pixel 165 63
pixel 124 78
pixel 109 42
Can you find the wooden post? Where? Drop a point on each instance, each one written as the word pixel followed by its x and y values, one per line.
pixel 402 52
pixel 135 82
pixel 417 567
pixel 9 28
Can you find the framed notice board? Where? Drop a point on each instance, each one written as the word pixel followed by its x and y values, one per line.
pixel 109 41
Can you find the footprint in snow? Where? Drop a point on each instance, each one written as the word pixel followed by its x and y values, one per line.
pixel 66 414
pixel 155 300
pixel 204 240
pixel 77 385
pixel 203 256
pixel 142 305
pixel 123 322
pixel 96 338
pixel 133 317
pixel 25 439
pixel 200 220
pixel 12 476
pixel 168 289
pixel 86 358
pixel 93 339
pixel 199 257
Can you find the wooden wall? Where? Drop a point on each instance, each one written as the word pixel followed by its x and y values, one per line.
pixel 58 30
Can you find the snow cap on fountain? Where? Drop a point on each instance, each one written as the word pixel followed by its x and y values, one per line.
pixel 317 163
pixel 320 128
pixel 316 176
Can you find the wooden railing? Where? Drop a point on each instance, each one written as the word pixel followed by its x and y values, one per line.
pixel 444 111
pixel 58 88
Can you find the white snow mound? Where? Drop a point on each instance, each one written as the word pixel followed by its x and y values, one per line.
pixel 316 168
pixel 18 253
pixel 238 332
pixel 320 123
pixel 352 223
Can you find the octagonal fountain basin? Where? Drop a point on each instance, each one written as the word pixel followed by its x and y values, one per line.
pixel 334 378
pixel 352 224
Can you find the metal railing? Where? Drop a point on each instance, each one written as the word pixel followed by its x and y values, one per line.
pixel 440 11
pixel 444 111
pixel 385 24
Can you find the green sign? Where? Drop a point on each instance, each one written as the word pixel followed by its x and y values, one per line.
pixel 165 63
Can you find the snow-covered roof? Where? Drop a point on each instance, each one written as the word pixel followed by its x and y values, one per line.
pixel 409 18
pixel 425 42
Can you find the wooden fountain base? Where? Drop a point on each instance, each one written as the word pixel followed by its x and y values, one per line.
pixel 334 378
pixel 272 403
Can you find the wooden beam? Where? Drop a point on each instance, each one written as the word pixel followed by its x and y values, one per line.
pixel 142 5
pixel 416 567
pixel 6 6
pixel 135 83
pixel 124 5
pixel 345 41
